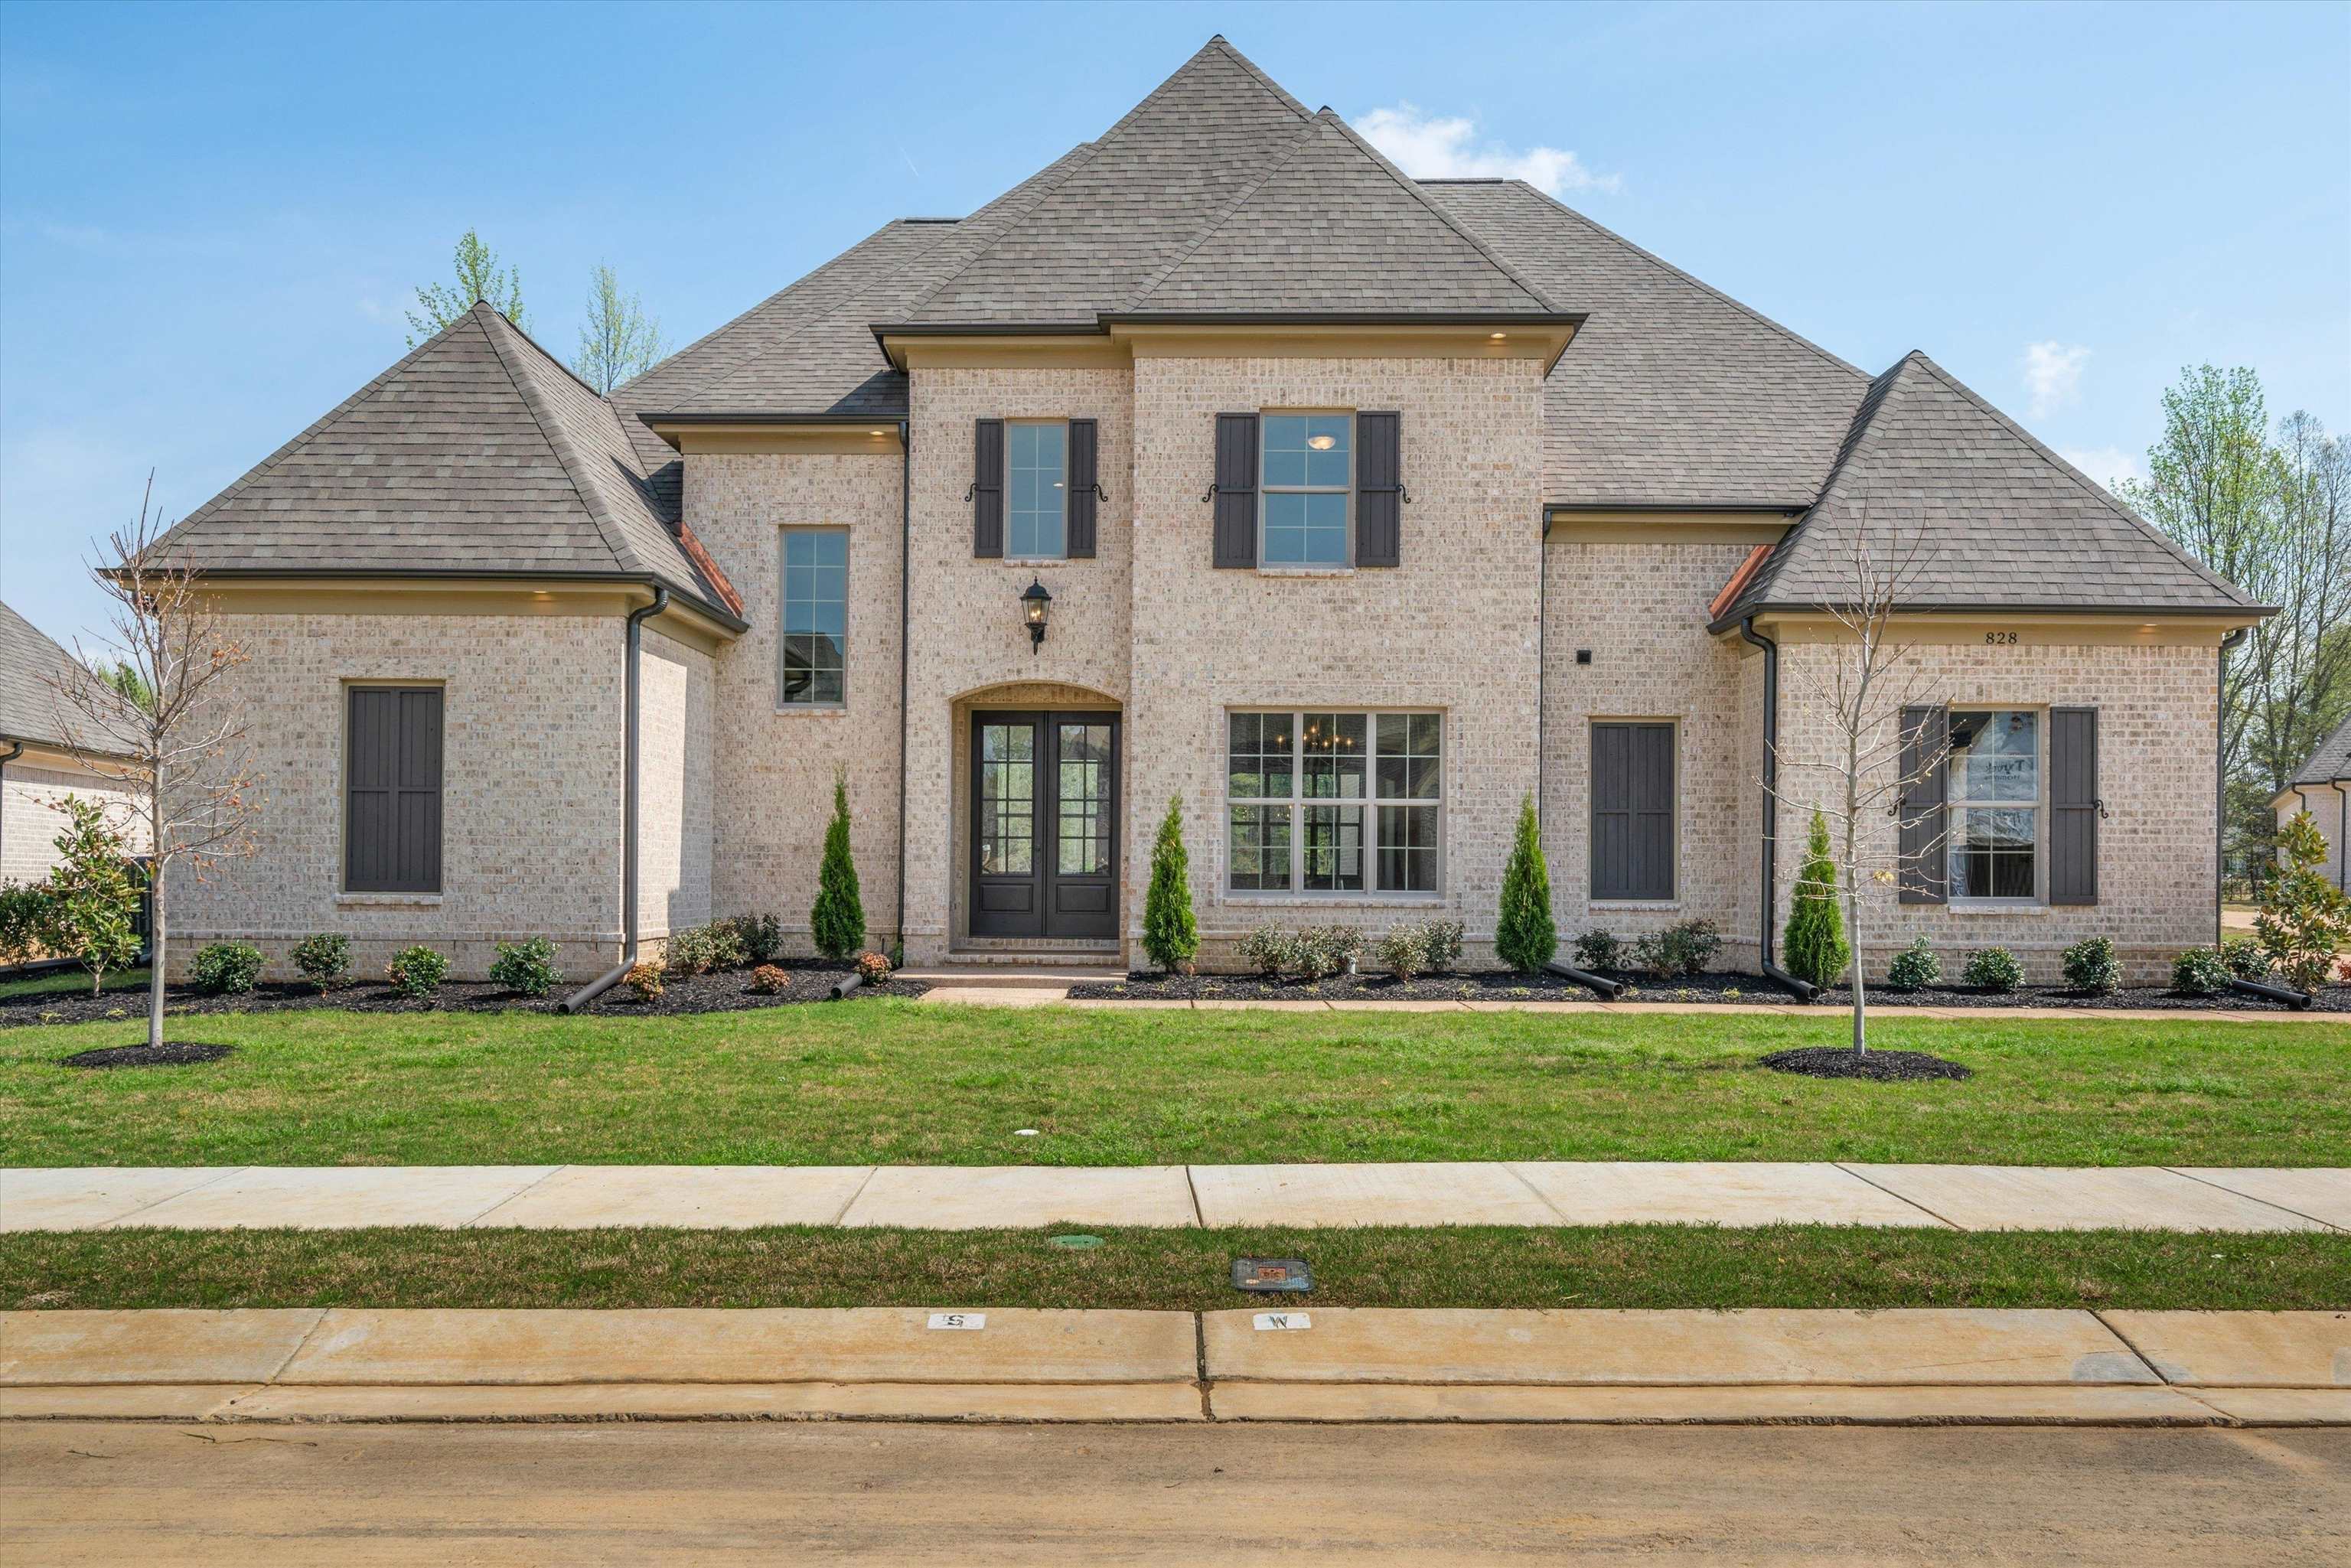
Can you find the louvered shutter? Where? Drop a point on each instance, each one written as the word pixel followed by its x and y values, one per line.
pixel 2074 805
pixel 1082 479
pixel 392 812
pixel 988 489
pixel 1235 494
pixel 1632 810
pixel 1923 875
pixel 1379 490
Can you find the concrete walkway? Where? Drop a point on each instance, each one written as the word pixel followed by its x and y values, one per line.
pixel 962 1197
pixel 1286 1362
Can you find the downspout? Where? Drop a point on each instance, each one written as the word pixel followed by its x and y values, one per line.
pixel 2342 821
pixel 15 749
pixel 1766 907
pixel 628 792
pixel 905 651
pixel 2220 776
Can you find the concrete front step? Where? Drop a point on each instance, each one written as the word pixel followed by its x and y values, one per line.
pixel 1031 975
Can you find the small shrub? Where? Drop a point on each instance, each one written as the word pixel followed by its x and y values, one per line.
pixel 1170 935
pixel 416 973
pixel 1524 936
pixel 1402 952
pixel 324 959
pixel 872 968
pixel 2200 972
pixel 1993 969
pixel 2245 958
pixel 526 969
pixel 761 936
pixel 1816 948
pixel 24 912
pixel 2091 965
pixel 92 894
pixel 1328 949
pixel 1915 967
pixel 837 919
pixel 1268 950
pixel 645 981
pixel 1686 947
pixel 768 980
pixel 225 968
pixel 1598 949
pixel 1444 945
pixel 699 949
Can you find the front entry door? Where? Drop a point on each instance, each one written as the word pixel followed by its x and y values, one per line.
pixel 1044 829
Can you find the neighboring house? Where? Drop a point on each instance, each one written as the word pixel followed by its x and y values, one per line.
pixel 2322 787
pixel 48 752
pixel 1366 506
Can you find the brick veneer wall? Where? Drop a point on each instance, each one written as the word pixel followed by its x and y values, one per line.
pixel 674 774
pixel 31 819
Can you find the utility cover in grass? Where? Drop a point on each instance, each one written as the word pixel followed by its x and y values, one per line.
pixel 1878 1066
pixel 171 1054
pixel 1271 1274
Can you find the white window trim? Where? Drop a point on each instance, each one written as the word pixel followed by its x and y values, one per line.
pixel 1344 567
pixel 1298 893
pixel 1955 805
pixel 783 534
pixel 1009 558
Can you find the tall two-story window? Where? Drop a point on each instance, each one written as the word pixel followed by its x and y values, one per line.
pixel 1333 802
pixel 1995 803
pixel 812 647
pixel 1307 476
pixel 1037 463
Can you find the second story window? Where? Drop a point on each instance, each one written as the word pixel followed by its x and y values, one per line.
pixel 812 646
pixel 1037 463
pixel 1307 475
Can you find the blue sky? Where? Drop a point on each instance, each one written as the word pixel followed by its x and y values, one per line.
pixel 211 217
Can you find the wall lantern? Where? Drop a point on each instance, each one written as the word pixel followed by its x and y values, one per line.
pixel 1035 604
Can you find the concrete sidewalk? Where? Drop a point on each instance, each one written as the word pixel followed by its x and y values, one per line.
pixel 960 1197
pixel 1290 1363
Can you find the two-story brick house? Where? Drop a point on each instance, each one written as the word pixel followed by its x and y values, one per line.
pixel 1366 507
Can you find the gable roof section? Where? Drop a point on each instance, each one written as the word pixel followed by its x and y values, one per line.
pixel 1996 520
pixel 30 707
pixel 1672 395
pixel 2329 762
pixel 478 453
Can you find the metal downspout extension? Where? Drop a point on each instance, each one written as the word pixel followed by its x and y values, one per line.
pixel 906 652
pixel 1765 910
pixel 610 977
pixel 2220 776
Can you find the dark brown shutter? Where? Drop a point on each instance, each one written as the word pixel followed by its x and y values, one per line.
pixel 1379 490
pixel 988 489
pixel 1235 489
pixel 392 818
pixel 2074 805
pixel 1632 810
pixel 1082 479
pixel 1924 873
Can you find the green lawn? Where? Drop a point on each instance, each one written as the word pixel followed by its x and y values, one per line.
pixel 1612 1266
pixel 902 1083
pixel 70 983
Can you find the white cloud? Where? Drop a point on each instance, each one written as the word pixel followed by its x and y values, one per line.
pixel 2053 374
pixel 2107 465
pixel 1431 147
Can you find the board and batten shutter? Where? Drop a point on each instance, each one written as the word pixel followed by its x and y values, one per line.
pixel 1084 441
pixel 1632 810
pixel 2074 805
pixel 988 489
pixel 1923 875
pixel 392 820
pixel 1379 488
pixel 1236 491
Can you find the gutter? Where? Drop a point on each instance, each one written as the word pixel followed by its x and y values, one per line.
pixel 905 651
pixel 1766 908
pixel 629 804
pixel 718 614
pixel 2220 776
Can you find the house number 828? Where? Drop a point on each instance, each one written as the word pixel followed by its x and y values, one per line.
pixel 2001 638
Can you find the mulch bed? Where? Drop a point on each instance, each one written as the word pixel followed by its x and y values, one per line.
pixel 726 991
pixel 1877 1066
pixel 171 1054
pixel 1712 987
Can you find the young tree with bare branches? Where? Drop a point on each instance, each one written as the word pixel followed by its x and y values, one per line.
pixel 179 741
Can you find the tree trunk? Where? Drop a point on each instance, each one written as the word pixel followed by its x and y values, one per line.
pixel 155 952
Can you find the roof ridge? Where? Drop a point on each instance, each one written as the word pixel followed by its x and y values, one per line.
pixel 1240 199
pixel 1412 188
pixel 559 441
pixel 1864 424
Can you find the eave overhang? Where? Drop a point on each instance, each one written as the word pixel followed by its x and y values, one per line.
pixel 1522 335
pixel 393 579
pixel 2220 617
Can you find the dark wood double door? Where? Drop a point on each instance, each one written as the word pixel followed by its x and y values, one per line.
pixel 1044 824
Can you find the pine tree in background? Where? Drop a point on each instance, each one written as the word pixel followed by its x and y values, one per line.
pixel 1817 950
pixel 837 921
pixel 1170 935
pixel 1524 938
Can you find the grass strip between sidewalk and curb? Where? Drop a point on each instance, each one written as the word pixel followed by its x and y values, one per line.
pixel 1168 1270
pixel 905 1083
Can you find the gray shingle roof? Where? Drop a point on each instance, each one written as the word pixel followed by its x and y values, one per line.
pixel 1985 516
pixel 2330 761
pixel 478 452
pixel 1672 394
pixel 30 709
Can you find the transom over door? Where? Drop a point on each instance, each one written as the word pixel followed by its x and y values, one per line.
pixel 1044 828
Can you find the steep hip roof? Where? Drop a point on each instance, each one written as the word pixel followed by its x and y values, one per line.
pixel 478 453
pixel 30 708
pixel 2331 761
pixel 1979 514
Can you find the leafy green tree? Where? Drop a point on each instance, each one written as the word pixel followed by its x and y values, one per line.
pixel 836 920
pixel 1524 936
pixel 125 678
pixel 2304 919
pixel 617 339
pixel 1816 948
pixel 479 276
pixel 93 899
pixel 1170 935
